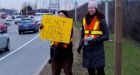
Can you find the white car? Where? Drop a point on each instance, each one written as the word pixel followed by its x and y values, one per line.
pixel 38 17
pixel 4 42
pixel 18 18
pixel 9 18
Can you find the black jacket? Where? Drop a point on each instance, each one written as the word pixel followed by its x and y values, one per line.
pixel 94 54
pixel 61 53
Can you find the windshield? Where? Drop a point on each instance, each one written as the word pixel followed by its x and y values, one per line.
pixel 37 14
pixel 19 17
pixel 26 21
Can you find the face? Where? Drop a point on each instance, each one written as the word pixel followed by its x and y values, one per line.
pixel 61 15
pixel 91 10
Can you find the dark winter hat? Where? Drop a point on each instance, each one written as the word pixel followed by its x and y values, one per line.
pixel 64 12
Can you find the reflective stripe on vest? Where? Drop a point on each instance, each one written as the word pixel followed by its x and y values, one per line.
pixel 52 43
pixel 94 31
pixel 96 25
pixel 84 21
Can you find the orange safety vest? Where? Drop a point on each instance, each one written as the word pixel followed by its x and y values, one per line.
pixel 93 29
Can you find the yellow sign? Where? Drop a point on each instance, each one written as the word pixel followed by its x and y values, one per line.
pixel 56 28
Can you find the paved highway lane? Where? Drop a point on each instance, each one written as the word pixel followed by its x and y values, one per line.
pixel 17 40
pixel 27 56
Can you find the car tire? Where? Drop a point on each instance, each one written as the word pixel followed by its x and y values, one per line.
pixel 37 30
pixel 23 32
pixel 5 31
pixel 15 23
pixel 19 32
pixel 7 48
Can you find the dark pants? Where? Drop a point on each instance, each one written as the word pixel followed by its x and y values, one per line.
pixel 98 71
pixel 58 65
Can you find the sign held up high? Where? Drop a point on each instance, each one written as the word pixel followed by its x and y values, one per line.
pixel 56 28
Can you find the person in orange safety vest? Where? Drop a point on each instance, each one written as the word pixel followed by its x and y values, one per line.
pixel 94 33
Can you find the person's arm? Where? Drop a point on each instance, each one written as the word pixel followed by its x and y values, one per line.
pixel 105 30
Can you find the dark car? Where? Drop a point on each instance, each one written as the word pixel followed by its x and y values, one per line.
pixel 3 28
pixel 27 25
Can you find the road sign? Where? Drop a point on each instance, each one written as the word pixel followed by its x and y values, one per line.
pixel 56 28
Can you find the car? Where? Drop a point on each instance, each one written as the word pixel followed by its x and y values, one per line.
pixel 38 17
pixel 3 28
pixel 18 18
pixel 27 25
pixel 4 42
pixel 9 18
pixel 31 16
pixel 3 15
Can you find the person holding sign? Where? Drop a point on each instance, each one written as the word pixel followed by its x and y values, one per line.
pixel 94 33
pixel 61 54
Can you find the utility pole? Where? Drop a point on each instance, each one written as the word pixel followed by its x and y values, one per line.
pixel 49 6
pixel 67 4
pixel 40 6
pixel 106 11
pixel 26 6
pixel 76 10
pixel 58 5
pixel 54 5
pixel 36 6
pixel 43 4
pixel 118 36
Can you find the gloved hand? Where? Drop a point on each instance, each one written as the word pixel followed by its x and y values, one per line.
pixel 65 45
pixel 50 61
pixel 56 43
pixel 79 49
pixel 41 27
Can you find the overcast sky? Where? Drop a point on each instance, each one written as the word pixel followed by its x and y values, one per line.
pixel 17 4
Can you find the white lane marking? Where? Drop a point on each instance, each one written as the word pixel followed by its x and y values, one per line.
pixel 18 48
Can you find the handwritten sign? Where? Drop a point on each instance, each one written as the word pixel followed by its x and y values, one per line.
pixel 56 28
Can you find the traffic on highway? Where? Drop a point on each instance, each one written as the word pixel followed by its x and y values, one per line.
pixel 21 50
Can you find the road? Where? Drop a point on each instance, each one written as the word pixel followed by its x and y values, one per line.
pixel 27 56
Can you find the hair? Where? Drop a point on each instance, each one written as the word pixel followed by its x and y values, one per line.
pixel 99 14
pixel 64 12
